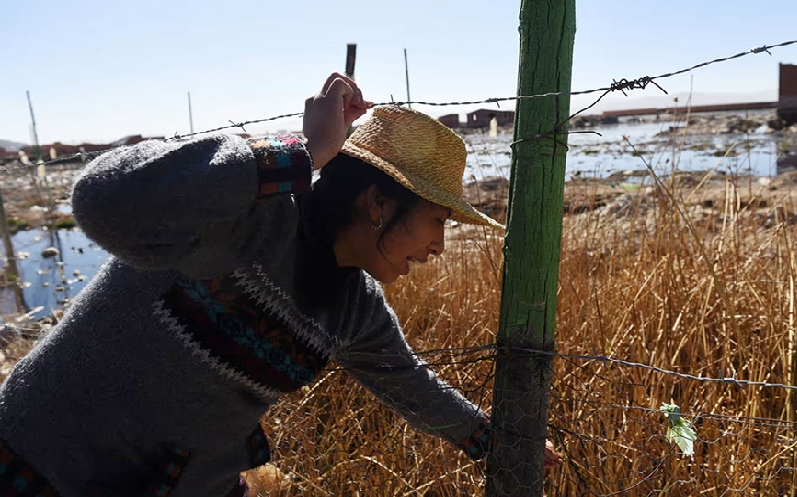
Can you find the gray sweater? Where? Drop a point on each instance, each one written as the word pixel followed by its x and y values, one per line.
pixel 154 381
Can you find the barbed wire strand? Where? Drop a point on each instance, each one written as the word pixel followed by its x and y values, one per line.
pixel 524 352
pixel 622 85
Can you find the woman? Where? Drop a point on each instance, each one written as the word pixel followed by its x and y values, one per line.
pixel 232 283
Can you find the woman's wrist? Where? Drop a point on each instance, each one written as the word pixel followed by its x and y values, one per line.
pixel 319 154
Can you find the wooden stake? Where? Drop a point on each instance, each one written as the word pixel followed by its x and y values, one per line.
pixel 351 59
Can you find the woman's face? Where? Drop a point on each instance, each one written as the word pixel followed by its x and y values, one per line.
pixel 411 240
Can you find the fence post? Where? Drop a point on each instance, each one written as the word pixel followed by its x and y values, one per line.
pixel 531 250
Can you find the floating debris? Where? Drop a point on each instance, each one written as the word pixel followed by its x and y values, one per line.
pixel 30 314
pixel 50 252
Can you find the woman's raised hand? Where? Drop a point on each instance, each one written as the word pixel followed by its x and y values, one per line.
pixel 328 116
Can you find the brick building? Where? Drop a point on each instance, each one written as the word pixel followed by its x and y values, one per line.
pixel 450 120
pixel 787 98
pixel 482 117
pixel 61 150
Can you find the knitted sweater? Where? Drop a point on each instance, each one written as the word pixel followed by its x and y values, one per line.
pixel 193 328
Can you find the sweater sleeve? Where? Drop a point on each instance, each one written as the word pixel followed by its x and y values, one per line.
pixel 380 359
pixel 184 204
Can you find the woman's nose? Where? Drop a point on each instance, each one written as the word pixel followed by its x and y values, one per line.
pixel 437 246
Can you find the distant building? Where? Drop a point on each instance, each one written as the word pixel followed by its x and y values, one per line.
pixel 61 150
pixel 787 98
pixel 128 140
pixel 450 120
pixel 482 117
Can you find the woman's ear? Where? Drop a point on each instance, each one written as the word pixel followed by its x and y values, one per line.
pixel 375 204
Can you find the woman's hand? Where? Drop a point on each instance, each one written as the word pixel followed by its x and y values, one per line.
pixel 328 116
pixel 552 458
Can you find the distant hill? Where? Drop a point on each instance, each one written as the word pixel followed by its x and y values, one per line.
pixel 12 146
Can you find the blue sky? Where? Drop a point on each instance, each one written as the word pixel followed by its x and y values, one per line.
pixel 101 70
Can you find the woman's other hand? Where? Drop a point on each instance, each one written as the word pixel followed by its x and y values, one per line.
pixel 552 458
pixel 328 116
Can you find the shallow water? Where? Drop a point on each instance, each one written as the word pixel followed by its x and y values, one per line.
pixel 49 282
pixel 609 153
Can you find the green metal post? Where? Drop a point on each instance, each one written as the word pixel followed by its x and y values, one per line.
pixel 532 250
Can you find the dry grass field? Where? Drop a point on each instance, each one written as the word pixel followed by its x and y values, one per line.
pixel 690 278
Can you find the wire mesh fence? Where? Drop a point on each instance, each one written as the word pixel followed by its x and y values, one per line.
pixel 619 444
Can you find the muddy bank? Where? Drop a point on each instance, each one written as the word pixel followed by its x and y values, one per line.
pixel 752 122
pixel 701 189
pixel 33 200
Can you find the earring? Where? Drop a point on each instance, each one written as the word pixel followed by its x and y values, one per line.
pixel 376 227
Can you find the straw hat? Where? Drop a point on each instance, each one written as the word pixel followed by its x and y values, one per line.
pixel 420 153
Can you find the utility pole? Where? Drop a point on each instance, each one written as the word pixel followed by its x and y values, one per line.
pixel 190 115
pixel 532 250
pixel 407 77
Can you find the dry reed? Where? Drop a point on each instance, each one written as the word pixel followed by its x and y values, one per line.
pixel 652 277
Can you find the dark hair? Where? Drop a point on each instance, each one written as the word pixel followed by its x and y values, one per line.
pixel 327 209
pixel 334 195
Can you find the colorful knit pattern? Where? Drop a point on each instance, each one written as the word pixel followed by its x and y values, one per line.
pixel 232 327
pixel 477 444
pixel 170 470
pixel 259 451
pixel 283 165
pixel 20 479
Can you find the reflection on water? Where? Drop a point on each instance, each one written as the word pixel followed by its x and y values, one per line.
pixel 49 282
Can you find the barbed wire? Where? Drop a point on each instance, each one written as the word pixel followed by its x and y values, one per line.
pixel 622 86
pixel 511 351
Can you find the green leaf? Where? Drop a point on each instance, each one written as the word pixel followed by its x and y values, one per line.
pixel 679 430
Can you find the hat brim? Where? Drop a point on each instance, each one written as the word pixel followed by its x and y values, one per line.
pixel 461 211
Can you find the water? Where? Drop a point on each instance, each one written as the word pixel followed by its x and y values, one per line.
pixel 50 282
pixel 601 156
